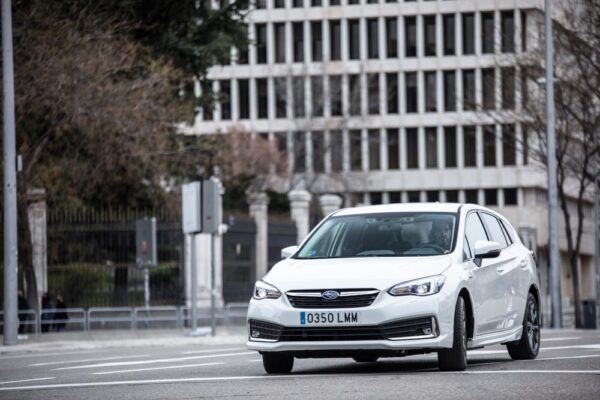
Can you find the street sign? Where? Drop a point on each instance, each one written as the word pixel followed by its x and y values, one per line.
pixel 211 194
pixel 191 207
pixel 145 242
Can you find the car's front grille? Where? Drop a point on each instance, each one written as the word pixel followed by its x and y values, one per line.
pixel 348 298
pixel 424 326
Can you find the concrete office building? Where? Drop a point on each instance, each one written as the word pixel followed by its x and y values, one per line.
pixel 384 101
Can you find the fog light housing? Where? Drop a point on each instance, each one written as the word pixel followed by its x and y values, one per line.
pixel 427 331
pixel 254 334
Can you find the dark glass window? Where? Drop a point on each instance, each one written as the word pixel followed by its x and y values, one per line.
pixel 334 2
pixel 392 93
pixel 299 144
pixel 452 196
pixel 318 151
pixel 430 45
pixel 280 97
pixel 449 91
pixel 393 149
pixel 335 94
pixel 433 196
pixel 431 147
pixel 471 196
pixel 243 52
pixel 279 32
pixel 510 196
pixel 225 97
pixel 298 90
pixel 261 43
pixel 298 3
pixel 493 226
pixel 316 38
pixel 488 85
pixel 262 98
pixel 261 3
pixel 374 141
pixel 376 198
pixel 337 155
pixel 414 196
pixel 207 111
pixel 468 89
pixel 244 98
pixel 352 2
pixel 411 92
pixel 525 133
pixel 508 145
pixel 298 41
pixel 450 146
pixel 430 91
pixel 394 197
pixel 412 148
pixel 508 31
pixel 373 37
pixel 355 150
pixel 487 32
pixel 279 3
pixel 335 42
pixel 373 89
pixel 468 32
pixel 391 32
pixel 410 36
pixel 489 146
pixel 354 93
pixel 316 3
pixel 449 34
pixel 508 88
pixel 474 232
pixel 470 148
pixel 354 42
pixel 524 30
pixel 318 99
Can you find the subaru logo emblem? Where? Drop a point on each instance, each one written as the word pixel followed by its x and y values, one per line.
pixel 330 295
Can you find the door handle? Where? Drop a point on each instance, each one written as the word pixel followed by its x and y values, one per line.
pixel 523 264
pixel 500 270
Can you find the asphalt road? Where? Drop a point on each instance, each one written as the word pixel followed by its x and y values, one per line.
pixel 568 367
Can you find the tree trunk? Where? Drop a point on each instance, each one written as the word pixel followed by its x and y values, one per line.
pixel 574 261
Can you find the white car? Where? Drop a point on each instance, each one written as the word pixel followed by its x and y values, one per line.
pixel 396 280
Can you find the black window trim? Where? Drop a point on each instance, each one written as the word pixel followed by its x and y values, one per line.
pixel 485 229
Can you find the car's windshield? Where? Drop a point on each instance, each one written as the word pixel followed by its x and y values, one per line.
pixel 382 235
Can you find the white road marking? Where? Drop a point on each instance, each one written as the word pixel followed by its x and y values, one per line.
pixel 566 358
pixel 28 380
pixel 157 368
pixel 582 346
pixel 212 351
pixel 51 354
pixel 161 360
pixel 257 360
pixel 87 360
pixel 556 339
pixel 535 371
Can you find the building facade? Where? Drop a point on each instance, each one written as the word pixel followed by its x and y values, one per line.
pixel 384 101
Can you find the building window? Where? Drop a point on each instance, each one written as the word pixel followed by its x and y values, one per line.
pixel 355 150
pixel 450 146
pixel 207 111
pixel 280 97
pixel 394 197
pixel 298 90
pixel 489 146
pixel 280 139
pixel 392 93
pixel 225 97
pixel 334 2
pixel 414 196
pixel 468 89
pixel 337 151
pixel 429 25
pixel 316 3
pixel 470 147
pixel 508 145
pixel 488 85
pixel 353 2
pixel 298 3
pixel 410 36
pixel 242 57
pixel 354 42
pixel 299 144
pixel 374 141
pixel 412 148
pixel 468 31
pixel 431 147
pixel 316 83
pixel 391 32
pixel 262 98
pixel 510 196
pixel 376 198
pixel 452 196
pixel 244 98
pixel 261 4
pixel 335 40
pixel 524 87
pixel 318 151
pixel 508 88
pixel 298 41
pixel 490 197
pixel 261 43
pixel 373 88
pixel 508 31
pixel 411 92
pixel 430 91
pixel 279 33
pixel 487 32
pixel 279 4
pixel 449 34
pixel 471 196
pixel 373 37
pixel 393 148
pixel 449 91
pixel 524 30
pixel 525 134
pixel 335 94
pixel 316 39
pixel 354 94
pixel 433 196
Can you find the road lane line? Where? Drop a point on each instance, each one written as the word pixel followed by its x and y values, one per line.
pixel 87 360
pixel 535 371
pixel 566 358
pixel 160 360
pixel 212 351
pixel 259 360
pixel 556 339
pixel 27 380
pixel 123 371
pixel 580 346
pixel 3 357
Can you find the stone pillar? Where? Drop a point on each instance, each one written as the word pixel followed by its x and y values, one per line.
pixel 300 212
pixel 330 203
pixel 38 228
pixel 259 207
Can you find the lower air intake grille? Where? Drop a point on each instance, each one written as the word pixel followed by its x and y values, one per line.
pixel 264 330
pixel 338 333
pixel 408 327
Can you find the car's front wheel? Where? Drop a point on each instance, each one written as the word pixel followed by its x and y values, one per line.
pixel 455 358
pixel 277 363
pixel 529 346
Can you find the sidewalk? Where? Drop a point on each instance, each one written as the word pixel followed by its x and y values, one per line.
pixel 122 338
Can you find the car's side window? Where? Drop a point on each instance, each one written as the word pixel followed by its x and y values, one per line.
pixel 507 232
pixel 494 229
pixel 474 231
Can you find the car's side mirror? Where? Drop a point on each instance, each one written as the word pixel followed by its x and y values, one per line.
pixel 485 249
pixel 287 252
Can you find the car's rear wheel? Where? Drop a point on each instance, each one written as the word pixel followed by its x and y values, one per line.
pixel 277 363
pixel 529 346
pixel 455 358
pixel 365 358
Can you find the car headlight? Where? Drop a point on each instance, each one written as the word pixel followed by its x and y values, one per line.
pixel 419 287
pixel 263 290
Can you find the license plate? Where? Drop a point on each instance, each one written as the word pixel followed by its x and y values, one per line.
pixel 329 318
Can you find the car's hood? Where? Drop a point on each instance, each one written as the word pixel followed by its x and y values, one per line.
pixel 353 273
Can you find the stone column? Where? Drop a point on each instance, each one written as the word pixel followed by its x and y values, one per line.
pixel 38 228
pixel 300 212
pixel 259 205
pixel 329 203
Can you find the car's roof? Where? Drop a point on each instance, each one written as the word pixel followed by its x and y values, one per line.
pixel 404 207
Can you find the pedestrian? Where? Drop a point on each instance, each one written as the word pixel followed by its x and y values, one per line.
pixel 23 312
pixel 60 315
pixel 47 314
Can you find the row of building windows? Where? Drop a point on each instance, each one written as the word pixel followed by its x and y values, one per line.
pixel 263 4
pixel 433 28
pixel 406 148
pixel 370 94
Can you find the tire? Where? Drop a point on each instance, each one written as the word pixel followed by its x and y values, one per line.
pixel 528 347
pixel 455 358
pixel 365 359
pixel 276 363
